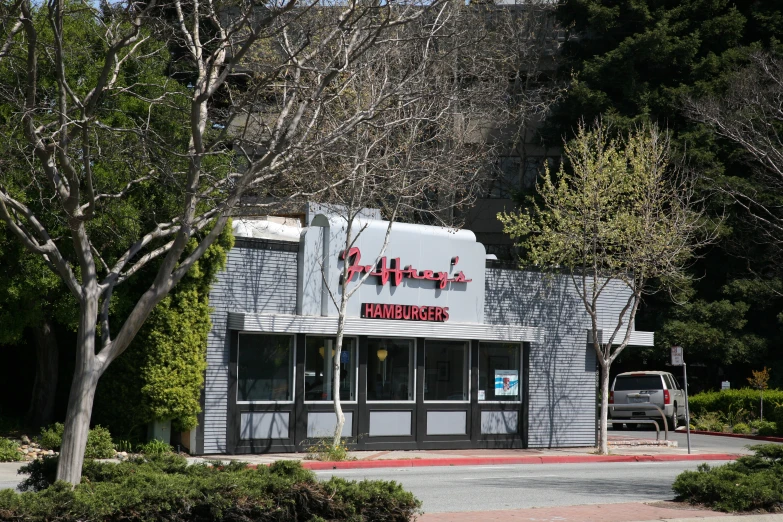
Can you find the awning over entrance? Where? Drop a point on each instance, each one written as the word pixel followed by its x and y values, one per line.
pixel 385 328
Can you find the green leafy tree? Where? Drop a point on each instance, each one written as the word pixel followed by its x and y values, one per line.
pixel 32 300
pixel 618 212
pixel 639 61
pixel 161 374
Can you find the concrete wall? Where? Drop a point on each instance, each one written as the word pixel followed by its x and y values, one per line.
pixel 260 277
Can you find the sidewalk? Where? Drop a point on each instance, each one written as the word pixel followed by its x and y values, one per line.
pixel 625 449
pixel 627 512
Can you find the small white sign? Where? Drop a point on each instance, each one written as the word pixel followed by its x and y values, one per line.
pixel 676 355
pixel 482 395
pixel 725 385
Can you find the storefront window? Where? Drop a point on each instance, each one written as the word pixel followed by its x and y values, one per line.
pixel 499 377
pixel 265 367
pixel 446 371
pixel 319 354
pixel 390 370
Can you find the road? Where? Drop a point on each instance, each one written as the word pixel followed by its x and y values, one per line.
pixel 480 488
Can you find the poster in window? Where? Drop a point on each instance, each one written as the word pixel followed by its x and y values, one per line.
pixel 506 383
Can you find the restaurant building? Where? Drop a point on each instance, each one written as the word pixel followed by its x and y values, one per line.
pixel 443 348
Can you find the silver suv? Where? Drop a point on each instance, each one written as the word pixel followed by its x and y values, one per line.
pixel 659 388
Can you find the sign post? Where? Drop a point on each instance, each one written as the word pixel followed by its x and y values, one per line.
pixel 678 360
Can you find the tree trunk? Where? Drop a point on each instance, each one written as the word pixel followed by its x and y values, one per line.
pixel 603 447
pixel 41 410
pixel 338 408
pixel 80 400
pixel 761 406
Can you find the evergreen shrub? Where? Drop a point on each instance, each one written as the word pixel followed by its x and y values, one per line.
pixel 726 401
pixel 9 451
pixel 99 443
pixel 741 428
pixel 166 488
pixel 768 429
pixel 753 482
pixel 52 437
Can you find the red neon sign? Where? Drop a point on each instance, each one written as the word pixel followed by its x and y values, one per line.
pixel 394 274
pixel 435 314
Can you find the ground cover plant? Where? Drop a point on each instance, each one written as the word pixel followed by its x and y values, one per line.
pixel 166 488
pixel 753 482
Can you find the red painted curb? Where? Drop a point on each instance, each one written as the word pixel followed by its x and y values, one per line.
pixel 489 461
pixel 739 435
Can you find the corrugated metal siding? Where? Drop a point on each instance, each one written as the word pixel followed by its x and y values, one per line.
pixel 260 277
pixel 562 366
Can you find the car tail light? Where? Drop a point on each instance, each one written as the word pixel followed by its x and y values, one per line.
pixel 611 397
pixel 667 399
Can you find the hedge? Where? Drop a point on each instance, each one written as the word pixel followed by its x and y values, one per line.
pixel 753 482
pixel 731 401
pixel 168 489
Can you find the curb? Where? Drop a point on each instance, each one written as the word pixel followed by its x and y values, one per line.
pixel 489 461
pixel 739 435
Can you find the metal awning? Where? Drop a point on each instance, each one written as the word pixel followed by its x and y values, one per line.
pixel 308 324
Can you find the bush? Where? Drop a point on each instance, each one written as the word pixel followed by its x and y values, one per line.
pixel 725 401
pixel 741 428
pixel 52 437
pixel 707 421
pixel 9 451
pixel 166 488
pixel 767 429
pixel 751 483
pixel 324 450
pixel 155 447
pixel 99 443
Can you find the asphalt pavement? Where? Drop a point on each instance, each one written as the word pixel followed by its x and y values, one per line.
pixel 702 443
pixel 486 488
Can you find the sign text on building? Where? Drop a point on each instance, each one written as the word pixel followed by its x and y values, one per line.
pixel 436 314
pixel 394 274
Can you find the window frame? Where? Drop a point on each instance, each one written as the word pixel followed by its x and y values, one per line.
pixel 292 359
pixel 521 346
pixel 468 366
pixel 356 370
pixel 413 367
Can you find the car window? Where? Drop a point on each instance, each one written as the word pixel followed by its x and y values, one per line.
pixel 672 383
pixel 638 382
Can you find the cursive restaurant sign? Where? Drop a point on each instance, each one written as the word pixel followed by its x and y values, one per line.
pixel 394 274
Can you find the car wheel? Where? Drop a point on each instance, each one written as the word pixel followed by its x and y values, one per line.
pixel 673 420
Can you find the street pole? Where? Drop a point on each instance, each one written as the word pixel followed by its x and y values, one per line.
pixel 687 408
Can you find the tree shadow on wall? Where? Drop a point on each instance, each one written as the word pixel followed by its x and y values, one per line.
pixel 562 370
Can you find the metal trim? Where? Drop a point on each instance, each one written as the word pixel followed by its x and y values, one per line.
pixel 355 326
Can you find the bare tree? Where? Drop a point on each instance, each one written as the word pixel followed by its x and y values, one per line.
pixel 750 114
pixel 425 157
pixel 620 213
pixel 256 83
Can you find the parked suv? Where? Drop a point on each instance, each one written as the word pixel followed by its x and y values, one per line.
pixel 658 388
